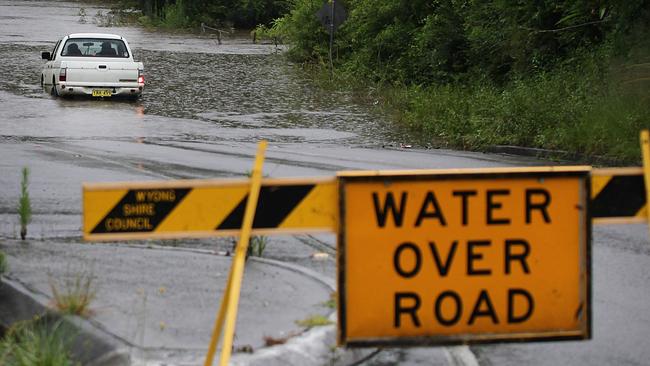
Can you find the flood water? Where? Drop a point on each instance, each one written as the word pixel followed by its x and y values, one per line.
pixel 190 76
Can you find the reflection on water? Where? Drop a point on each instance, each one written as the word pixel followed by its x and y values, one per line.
pixel 139 110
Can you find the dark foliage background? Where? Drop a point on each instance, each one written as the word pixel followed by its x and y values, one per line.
pixel 190 13
pixel 425 41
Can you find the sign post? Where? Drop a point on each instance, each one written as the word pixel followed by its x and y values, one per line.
pixel 645 152
pixel 229 303
pixel 464 256
pixel 331 16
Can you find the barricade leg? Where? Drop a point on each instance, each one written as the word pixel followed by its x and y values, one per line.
pixel 230 301
pixel 218 325
pixel 645 152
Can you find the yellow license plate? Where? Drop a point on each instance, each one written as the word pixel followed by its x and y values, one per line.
pixel 102 93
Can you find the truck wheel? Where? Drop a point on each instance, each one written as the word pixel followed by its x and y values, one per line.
pixel 54 93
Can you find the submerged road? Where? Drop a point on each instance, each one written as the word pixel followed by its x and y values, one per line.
pixel 204 108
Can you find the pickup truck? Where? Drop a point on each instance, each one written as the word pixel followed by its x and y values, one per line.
pixel 92 64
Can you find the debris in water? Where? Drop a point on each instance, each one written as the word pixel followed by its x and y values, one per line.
pixel 320 256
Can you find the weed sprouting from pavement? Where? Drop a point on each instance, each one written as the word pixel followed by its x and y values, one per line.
pixel 75 294
pixel 257 245
pixel 3 263
pixel 331 303
pixel 37 343
pixel 314 321
pixel 24 204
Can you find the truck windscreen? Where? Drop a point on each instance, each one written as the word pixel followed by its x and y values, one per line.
pixel 86 47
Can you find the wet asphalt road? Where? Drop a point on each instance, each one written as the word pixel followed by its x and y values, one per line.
pixel 204 108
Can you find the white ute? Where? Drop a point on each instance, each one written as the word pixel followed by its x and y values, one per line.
pixel 92 64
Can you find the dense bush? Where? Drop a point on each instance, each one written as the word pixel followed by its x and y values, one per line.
pixel 426 42
pixel 567 74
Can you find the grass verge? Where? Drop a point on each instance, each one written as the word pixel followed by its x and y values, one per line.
pixel 560 111
pixel 37 343
pixel 592 112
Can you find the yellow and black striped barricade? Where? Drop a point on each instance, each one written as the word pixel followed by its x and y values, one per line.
pixel 206 208
pixel 618 195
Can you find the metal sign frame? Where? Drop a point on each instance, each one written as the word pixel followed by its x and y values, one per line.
pixel 581 172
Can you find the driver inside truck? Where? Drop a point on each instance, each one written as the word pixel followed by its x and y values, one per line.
pixel 107 50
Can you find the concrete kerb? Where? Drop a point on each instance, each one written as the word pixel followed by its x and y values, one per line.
pixel 92 346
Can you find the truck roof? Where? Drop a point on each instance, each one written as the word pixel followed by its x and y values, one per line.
pixel 95 35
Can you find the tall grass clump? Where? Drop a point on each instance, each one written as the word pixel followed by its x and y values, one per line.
pixel 37 343
pixel 3 263
pixel 75 295
pixel 24 204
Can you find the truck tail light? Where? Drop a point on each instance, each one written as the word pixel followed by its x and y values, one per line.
pixel 63 74
pixel 141 77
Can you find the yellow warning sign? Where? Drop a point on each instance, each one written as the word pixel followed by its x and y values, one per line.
pixel 202 208
pixel 464 256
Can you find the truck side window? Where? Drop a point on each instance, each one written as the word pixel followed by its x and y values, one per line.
pixel 121 51
pixel 56 48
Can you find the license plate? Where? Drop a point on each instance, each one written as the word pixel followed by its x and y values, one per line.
pixel 102 93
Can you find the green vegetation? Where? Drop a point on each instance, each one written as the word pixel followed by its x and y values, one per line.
pixel 36 343
pixel 331 303
pixel 273 33
pixel 3 263
pixel 75 295
pixel 24 204
pixel 571 75
pixel 314 321
pixel 257 245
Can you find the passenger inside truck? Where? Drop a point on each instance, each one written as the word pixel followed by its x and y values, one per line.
pixel 72 50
